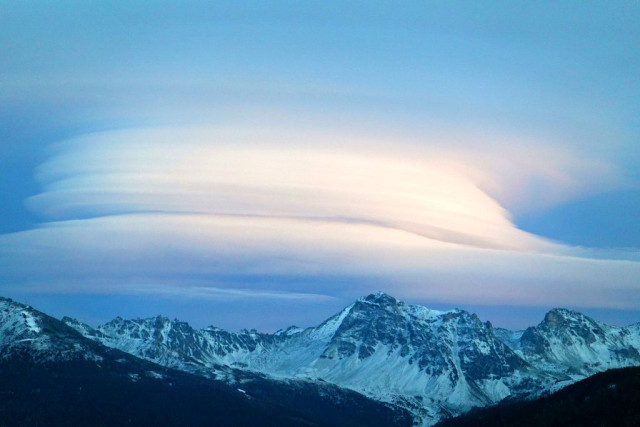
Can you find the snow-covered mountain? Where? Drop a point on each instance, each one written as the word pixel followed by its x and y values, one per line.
pixel 50 367
pixel 435 363
pixel 568 343
pixel 26 332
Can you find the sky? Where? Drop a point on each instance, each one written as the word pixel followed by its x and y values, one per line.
pixel 262 164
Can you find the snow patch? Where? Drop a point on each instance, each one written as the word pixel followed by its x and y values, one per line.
pixel 30 321
pixel 155 375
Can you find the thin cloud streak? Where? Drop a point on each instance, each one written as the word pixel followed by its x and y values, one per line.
pixel 184 288
pixel 221 294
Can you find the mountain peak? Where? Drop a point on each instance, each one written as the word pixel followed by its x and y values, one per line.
pixel 562 316
pixel 380 298
pixel 161 320
pixel 11 304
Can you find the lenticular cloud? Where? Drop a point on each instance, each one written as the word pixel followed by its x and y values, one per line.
pixel 209 173
pixel 214 214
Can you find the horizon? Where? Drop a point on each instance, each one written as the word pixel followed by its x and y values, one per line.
pixel 483 310
pixel 268 164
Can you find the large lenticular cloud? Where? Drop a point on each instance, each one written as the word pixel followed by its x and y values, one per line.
pixel 207 172
pixel 224 215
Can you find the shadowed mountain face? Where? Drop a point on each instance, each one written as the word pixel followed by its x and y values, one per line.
pixel 50 374
pixel 610 398
pixel 436 364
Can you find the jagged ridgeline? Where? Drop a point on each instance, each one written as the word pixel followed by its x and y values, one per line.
pixel 434 364
pixel 50 374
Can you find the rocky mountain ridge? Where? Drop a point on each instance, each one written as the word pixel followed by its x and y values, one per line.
pixel 436 364
pixel 59 373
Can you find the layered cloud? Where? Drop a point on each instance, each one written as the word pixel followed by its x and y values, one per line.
pixel 208 172
pixel 227 215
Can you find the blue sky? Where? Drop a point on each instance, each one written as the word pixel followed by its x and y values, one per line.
pixel 281 159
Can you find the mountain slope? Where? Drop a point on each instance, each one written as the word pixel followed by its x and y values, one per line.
pixel 50 373
pixel 79 392
pixel 24 330
pixel 610 398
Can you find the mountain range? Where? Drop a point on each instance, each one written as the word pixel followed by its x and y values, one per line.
pixel 378 354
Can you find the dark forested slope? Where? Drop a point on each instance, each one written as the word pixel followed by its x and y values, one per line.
pixel 610 398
